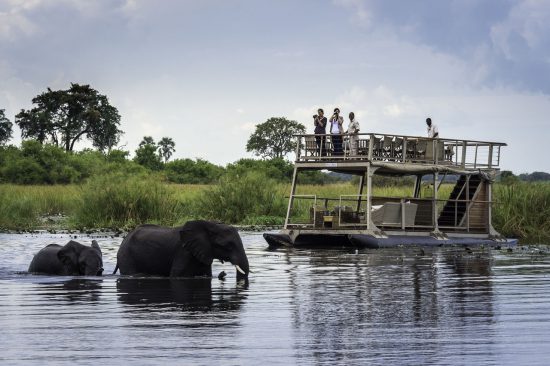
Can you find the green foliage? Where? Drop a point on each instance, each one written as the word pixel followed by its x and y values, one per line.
pixel 523 211
pixel 167 146
pixel 276 169
pixel 275 138
pixel 5 128
pixel 147 157
pixel 118 200
pixel 63 117
pixel 238 198
pixel 35 163
pixel 188 171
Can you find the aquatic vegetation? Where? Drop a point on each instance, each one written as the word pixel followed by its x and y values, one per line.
pixel 521 210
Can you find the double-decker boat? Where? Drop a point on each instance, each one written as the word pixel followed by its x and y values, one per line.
pixel 449 200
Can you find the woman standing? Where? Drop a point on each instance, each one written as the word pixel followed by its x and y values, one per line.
pixel 320 123
pixel 336 131
pixel 353 130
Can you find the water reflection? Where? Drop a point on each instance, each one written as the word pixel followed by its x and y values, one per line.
pixel 192 294
pixel 388 302
pixel 72 289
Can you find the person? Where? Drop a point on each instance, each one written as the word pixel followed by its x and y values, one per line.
pixel 320 122
pixel 433 132
pixel 353 130
pixel 336 131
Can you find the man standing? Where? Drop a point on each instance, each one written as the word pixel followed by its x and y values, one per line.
pixel 433 132
pixel 320 122
pixel 353 130
pixel 336 131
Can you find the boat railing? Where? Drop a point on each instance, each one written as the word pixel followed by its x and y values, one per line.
pixel 398 148
pixel 389 213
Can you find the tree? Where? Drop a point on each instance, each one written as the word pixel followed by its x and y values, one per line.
pixel 146 154
pixel 5 128
pixel 63 117
pixel 275 137
pixel 167 146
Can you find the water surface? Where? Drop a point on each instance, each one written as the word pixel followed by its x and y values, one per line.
pixel 391 306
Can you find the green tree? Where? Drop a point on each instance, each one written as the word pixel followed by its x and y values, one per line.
pixel 5 128
pixel 63 117
pixel 167 146
pixel 146 154
pixel 275 138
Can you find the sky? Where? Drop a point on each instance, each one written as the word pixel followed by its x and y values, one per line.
pixel 205 72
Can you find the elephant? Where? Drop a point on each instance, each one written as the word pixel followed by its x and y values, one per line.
pixel 72 259
pixel 183 251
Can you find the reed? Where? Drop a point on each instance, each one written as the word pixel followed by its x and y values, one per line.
pixel 522 210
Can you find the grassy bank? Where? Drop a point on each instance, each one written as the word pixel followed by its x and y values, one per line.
pixel 116 201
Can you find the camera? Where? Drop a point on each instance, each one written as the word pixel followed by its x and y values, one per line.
pixel 315 116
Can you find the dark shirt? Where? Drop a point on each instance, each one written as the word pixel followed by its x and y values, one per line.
pixel 320 126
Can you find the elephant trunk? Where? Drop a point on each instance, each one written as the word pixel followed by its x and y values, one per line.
pixel 242 267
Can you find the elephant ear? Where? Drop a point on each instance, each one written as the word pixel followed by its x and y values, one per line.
pixel 95 246
pixel 197 238
pixel 68 254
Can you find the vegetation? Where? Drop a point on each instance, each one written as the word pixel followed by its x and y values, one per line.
pixel 46 183
pixel 274 138
pixel 121 200
pixel 63 117
pixel 5 128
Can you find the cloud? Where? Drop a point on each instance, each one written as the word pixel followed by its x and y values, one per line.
pixel 502 43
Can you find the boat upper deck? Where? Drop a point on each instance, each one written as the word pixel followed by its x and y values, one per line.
pixel 322 151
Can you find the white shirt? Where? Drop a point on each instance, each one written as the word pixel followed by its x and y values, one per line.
pixel 353 127
pixel 432 130
pixel 334 125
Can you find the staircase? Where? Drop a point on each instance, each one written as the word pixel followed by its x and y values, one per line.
pixel 447 216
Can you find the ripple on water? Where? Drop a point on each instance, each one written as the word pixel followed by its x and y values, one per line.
pixel 395 306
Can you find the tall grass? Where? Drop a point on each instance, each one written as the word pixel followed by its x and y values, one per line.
pixel 522 209
pixel 22 206
pixel 117 200
pixel 251 198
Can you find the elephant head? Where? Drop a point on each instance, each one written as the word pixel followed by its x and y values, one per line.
pixel 81 260
pixel 208 241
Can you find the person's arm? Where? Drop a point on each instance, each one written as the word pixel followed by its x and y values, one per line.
pixel 436 132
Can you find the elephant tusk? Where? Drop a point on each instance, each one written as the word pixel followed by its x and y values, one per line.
pixel 239 269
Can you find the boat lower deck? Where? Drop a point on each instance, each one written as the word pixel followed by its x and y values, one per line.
pixel 365 240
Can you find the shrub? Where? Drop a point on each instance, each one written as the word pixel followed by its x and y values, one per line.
pixel 237 198
pixel 119 200
pixel 187 171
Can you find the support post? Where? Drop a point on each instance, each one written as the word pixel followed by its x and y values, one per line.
pixel 436 228
pixel 291 199
pixel 361 184
pixel 369 197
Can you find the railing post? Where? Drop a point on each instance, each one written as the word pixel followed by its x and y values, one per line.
pixel 371 146
pixel 298 148
pixel 475 157
pixel 464 146
pixel 404 150
pixel 490 162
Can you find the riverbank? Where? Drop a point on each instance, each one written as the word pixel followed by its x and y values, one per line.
pixel 117 203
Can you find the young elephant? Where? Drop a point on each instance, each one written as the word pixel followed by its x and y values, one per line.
pixel 183 251
pixel 72 259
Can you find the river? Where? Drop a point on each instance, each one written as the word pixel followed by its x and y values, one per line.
pixel 326 306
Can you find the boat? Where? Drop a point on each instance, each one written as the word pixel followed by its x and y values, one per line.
pixel 449 202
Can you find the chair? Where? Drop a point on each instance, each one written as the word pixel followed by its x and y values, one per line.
pixel 363 147
pixel 311 146
pixel 421 147
pixel 386 148
pixel 398 148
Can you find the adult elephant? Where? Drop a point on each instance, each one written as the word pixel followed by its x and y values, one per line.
pixel 72 259
pixel 184 251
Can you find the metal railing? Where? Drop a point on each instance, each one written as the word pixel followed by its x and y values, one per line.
pixel 398 148
pixel 389 213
